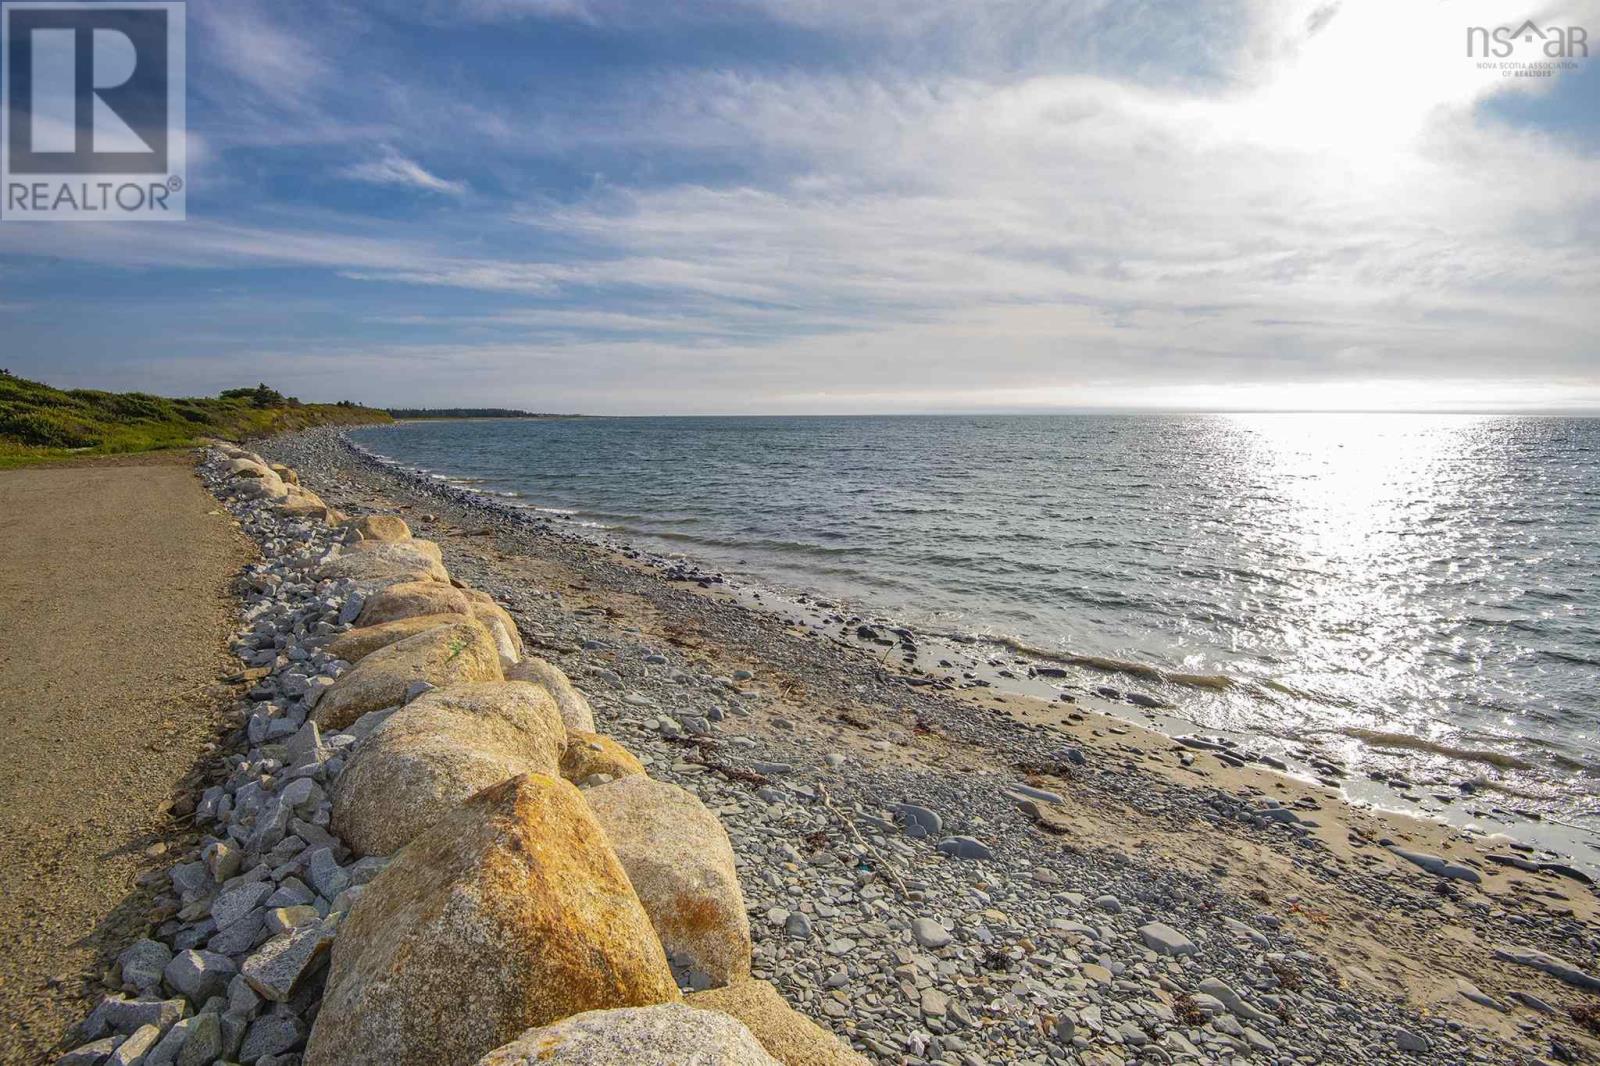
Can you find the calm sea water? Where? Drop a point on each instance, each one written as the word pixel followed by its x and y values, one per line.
pixel 1380 577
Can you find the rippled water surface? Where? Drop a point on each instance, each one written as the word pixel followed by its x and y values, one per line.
pixel 1429 577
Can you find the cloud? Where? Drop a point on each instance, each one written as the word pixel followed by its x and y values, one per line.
pixel 395 169
pixel 952 217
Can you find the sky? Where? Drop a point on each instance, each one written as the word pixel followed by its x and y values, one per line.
pixel 821 206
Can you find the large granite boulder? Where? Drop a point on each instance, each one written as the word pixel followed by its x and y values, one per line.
pixel 589 754
pixel 788 1036
pixel 379 562
pixel 666 1035
pixel 575 710
pixel 437 752
pixel 510 913
pixel 353 645
pixel 408 599
pixel 681 864
pixel 500 623
pixel 445 655
pixel 379 527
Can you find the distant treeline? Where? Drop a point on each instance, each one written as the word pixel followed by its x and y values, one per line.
pixel 467 412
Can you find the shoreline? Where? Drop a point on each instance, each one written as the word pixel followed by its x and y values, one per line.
pixel 1235 836
pixel 1466 797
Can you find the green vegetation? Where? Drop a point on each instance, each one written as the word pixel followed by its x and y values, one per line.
pixel 39 423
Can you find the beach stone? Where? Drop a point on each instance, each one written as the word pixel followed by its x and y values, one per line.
pixel 1165 940
pixel 199 974
pixel 588 754
pixel 132 1050
pixel 235 903
pixel 575 709
pixel 1555 967
pixel 433 754
pixel 203 1044
pixel 509 913
pixel 142 964
pixel 413 599
pixel 927 823
pixel 929 933
pixel 278 966
pixel 271 1034
pixel 380 527
pixel 445 655
pixel 785 1034
pixel 965 848
pixel 1416 1044
pixel 681 864
pixel 666 1035
pixel 93 1053
pixel 384 563
pixel 356 644
pixel 1439 866
pixel 117 1014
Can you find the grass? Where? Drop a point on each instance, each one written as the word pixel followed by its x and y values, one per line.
pixel 39 423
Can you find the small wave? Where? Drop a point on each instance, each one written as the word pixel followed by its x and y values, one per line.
pixel 1378 738
pixel 1105 664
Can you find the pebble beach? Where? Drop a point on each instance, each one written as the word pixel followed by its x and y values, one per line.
pixel 933 874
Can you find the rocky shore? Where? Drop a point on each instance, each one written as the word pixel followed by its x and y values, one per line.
pixel 502 795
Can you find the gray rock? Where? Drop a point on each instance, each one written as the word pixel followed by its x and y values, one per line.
pixel 271 1034
pixel 199 974
pixel 116 1014
pixel 1029 792
pixel 278 966
pixel 165 1053
pixel 1438 866
pixel 1165 940
pixel 929 933
pixel 133 1049
pixel 965 848
pixel 1108 903
pixel 1230 999
pixel 1406 1040
pixel 927 822
pixel 142 964
pixel 93 1053
pixel 1557 968
pixel 325 874
pixel 204 1043
pixel 797 926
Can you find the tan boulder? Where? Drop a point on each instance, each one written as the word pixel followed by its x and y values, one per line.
pixel 355 644
pixel 387 562
pixel 590 753
pixel 248 467
pixel 681 864
pixel 508 914
pixel 669 1034
pixel 789 1036
pixel 437 752
pixel 379 527
pixel 407 599
pixel 501 625
pixel 286 473
pixel 575 710
pixel 445 655
pixel 270 487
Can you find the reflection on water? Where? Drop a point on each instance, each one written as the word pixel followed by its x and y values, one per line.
pixel 1429 577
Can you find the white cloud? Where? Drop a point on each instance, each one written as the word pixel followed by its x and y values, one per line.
pixel 395 169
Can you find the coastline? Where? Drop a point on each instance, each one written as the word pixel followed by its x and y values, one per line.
pixel 1179 829
pixel 1385 772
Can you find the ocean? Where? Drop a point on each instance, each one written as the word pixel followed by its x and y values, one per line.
pixel 1417 593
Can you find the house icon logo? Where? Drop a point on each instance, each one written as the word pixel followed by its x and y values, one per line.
pixel 1528 41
